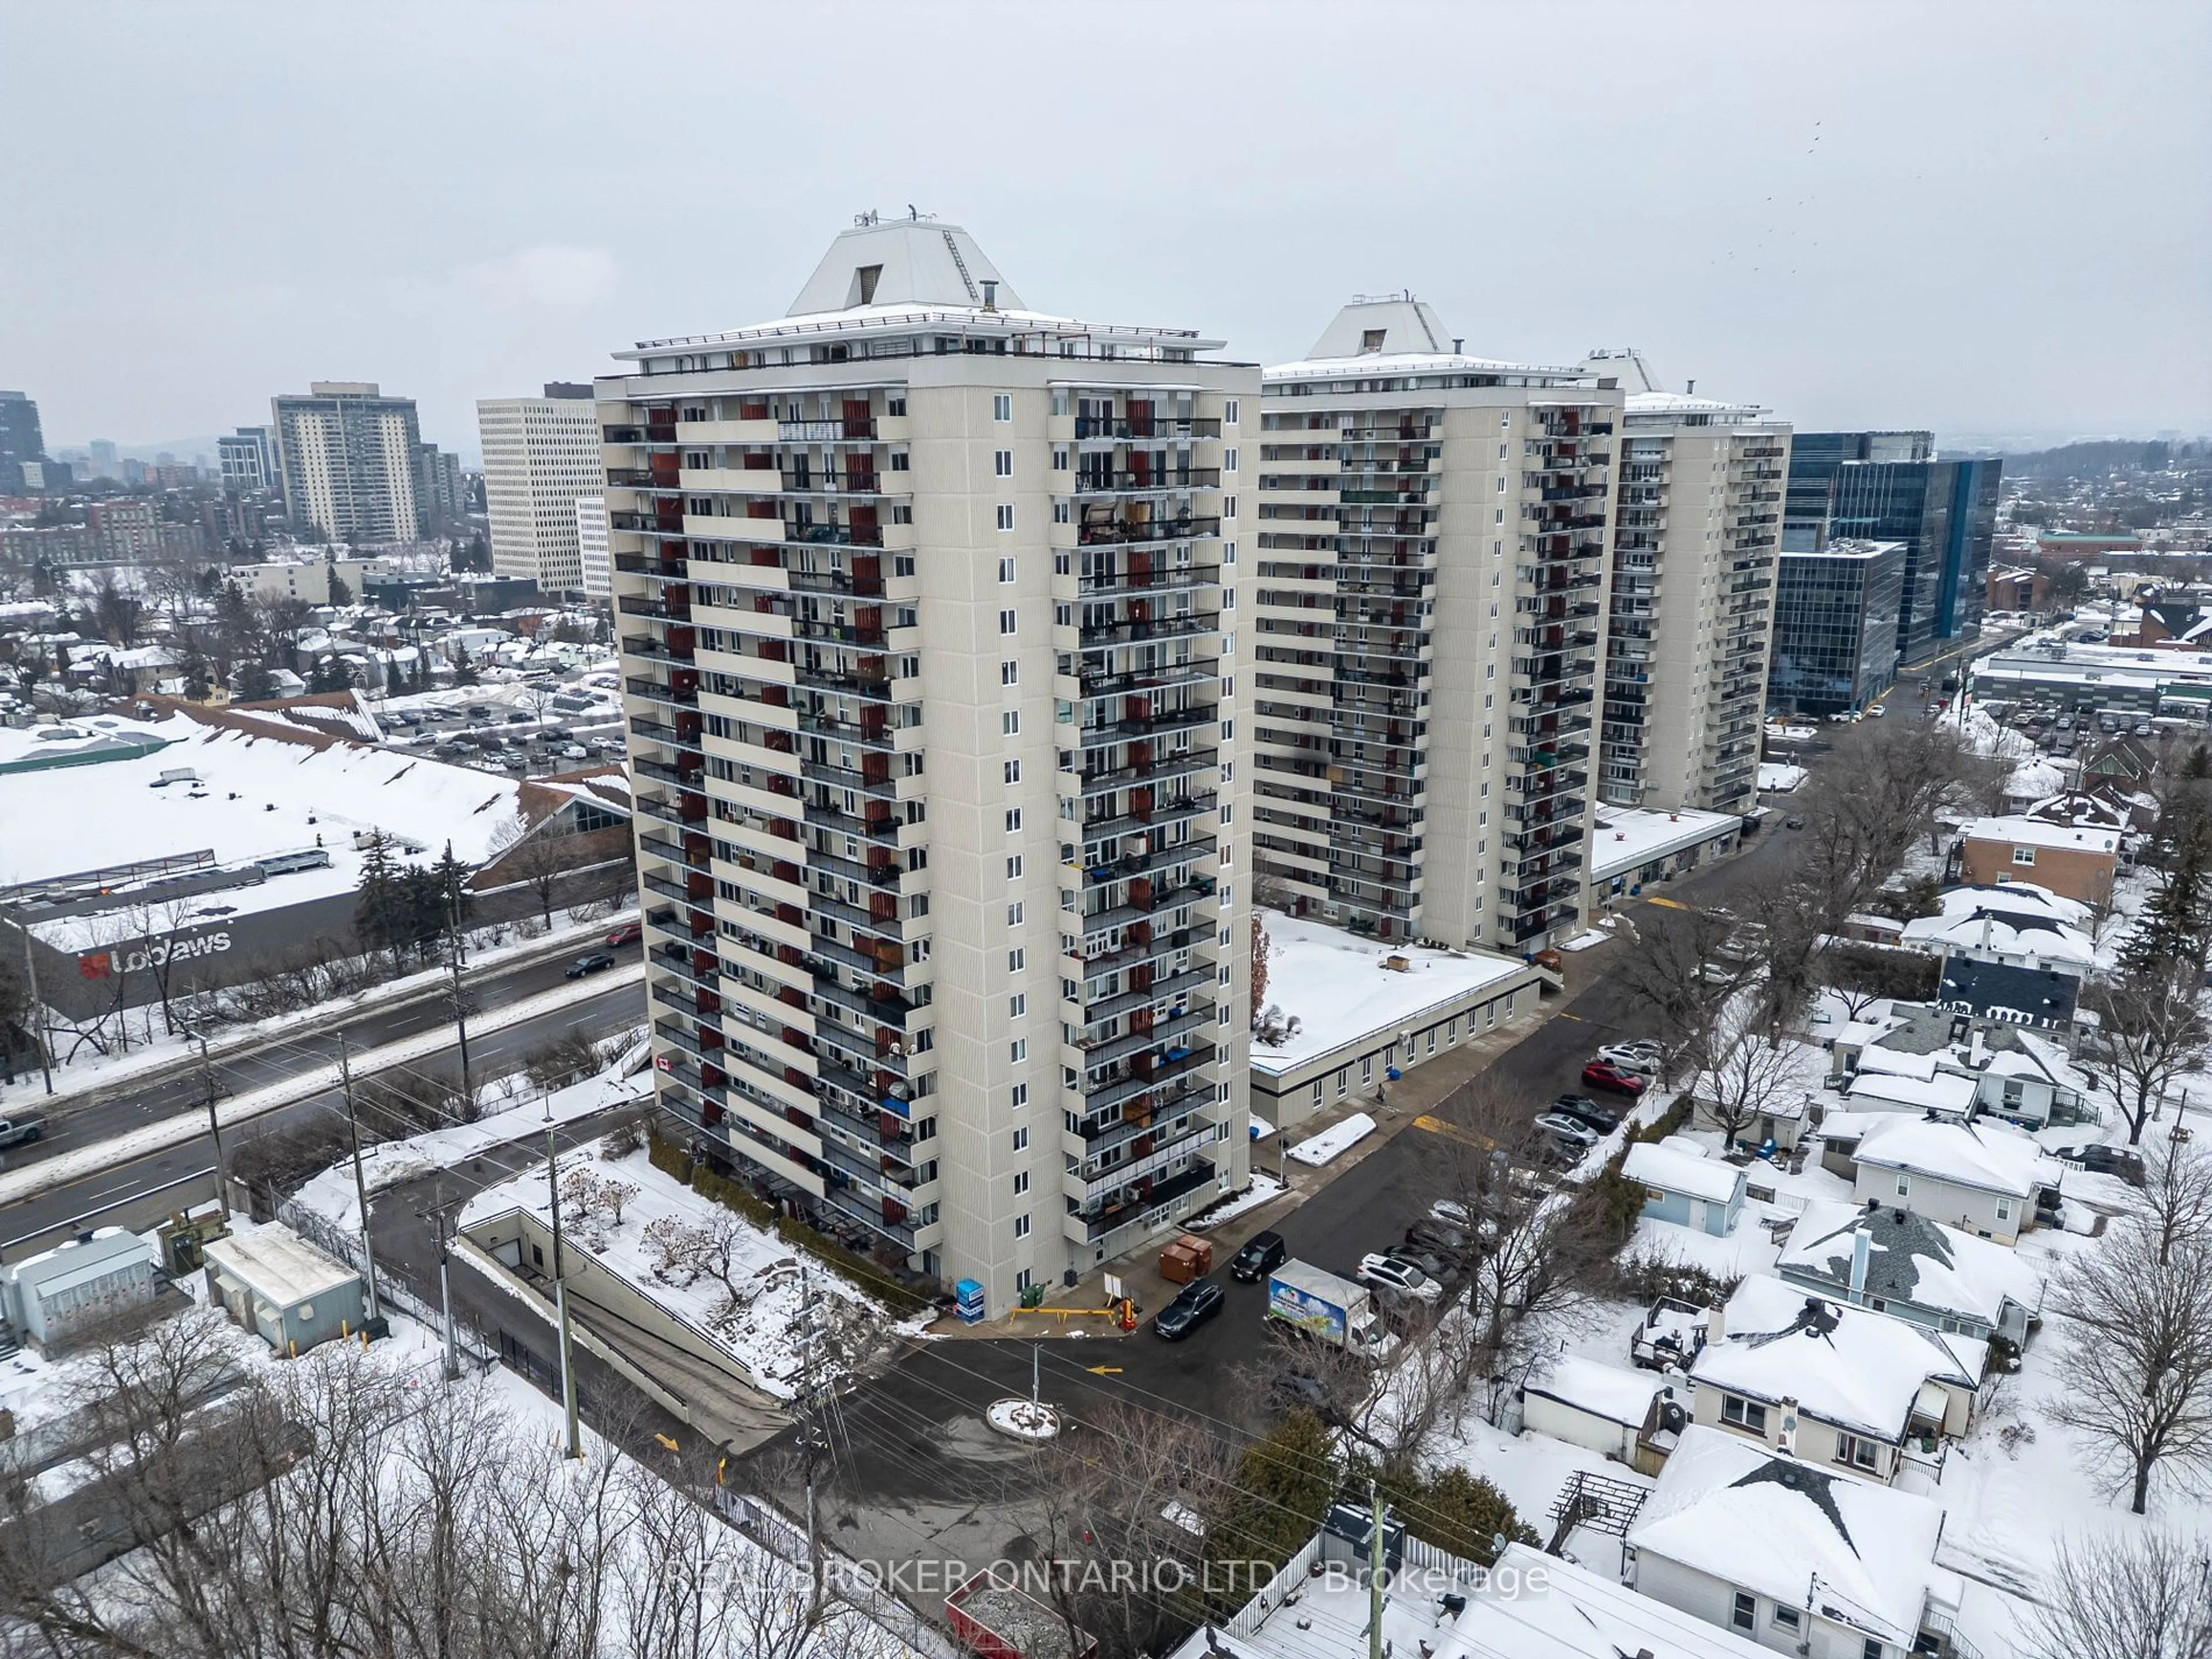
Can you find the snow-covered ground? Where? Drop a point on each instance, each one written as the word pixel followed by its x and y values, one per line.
pixel 1779 777
pixel 1265 1189
pixel 1334 1141
pixel 754 1311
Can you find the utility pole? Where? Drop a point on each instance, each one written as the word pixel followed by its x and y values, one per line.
pixel 460 1012
pixel 214 1128
pixel 439 1216
pixel 360 1181
pixel 560 1300
pixel 38 1008
pixel 1374 1571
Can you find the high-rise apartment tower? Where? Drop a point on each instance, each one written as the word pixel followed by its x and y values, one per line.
pixel 1697 528
pixel 1431 587
pixel 347 456
pixel 926 610
pixel 541 455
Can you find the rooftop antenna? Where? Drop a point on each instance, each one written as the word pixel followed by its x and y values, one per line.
pixel 1690 388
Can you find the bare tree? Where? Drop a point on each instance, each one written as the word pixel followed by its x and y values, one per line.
pixel 2136 1364
pixel 526 853
pixel 2142 1597
pixel 2151 1030
pixel 1673 968
pixel 2176 1201
pixel 1749 1080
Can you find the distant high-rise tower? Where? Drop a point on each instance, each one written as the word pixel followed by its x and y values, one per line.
pixel 348 459
pixel 1697 527
pixel 932 673
pixel 1432 585
pixel 21 443
pixel 541 455
pixel 592 550
pixel 249 459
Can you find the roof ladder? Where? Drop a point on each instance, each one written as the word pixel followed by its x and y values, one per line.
pixel 960 265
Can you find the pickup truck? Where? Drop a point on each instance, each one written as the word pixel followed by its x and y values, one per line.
pixel 14 1131
pixel 1338 1311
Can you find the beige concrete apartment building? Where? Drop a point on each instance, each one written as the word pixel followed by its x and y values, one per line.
pixel 1432 592
pixel 931 641
pixel 1697 527
pixel 347 454
pixel 541 456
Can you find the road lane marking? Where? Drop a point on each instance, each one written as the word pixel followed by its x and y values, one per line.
pixel 1670 904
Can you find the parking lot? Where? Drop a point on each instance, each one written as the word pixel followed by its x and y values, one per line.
pixel 526 730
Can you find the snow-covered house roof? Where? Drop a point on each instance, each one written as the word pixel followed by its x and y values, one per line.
pixel 1985 1155
pixel 1856 1369
pixel 1726 1507
pixel 1677 1171
pixel 1606 1391
pixel 1946 1091
pixel 2017 920
pixel 2033 832
pixel 1910 1259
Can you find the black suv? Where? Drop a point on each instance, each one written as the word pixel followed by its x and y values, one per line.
pixel 1263 1253
pixel 1196 1304
pixel 1580 1107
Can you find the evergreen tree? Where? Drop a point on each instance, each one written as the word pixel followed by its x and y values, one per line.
pixel 454 897
pixel 255 683
pixel 422 669
pixel 2176 926
pixel 395 682
pixel 381 910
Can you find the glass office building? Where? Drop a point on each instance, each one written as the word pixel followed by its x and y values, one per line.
pixel 1890 487
pixel 1835 627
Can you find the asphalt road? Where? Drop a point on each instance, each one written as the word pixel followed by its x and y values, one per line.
pixel 905 1458
pixel 612 1011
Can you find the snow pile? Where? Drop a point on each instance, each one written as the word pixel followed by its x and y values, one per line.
pixel 1265 1189
pixel 1338 1139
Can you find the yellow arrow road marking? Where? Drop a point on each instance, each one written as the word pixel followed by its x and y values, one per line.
pixel 1104 1371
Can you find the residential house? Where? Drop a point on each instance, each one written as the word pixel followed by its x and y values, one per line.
pixel 1798 1558
pixel 1685 1188
pixel 1788 1080
pixel 1554 1610
pixel 1831 1383
pixel 2019 1074
pixel 2077 863
pixel 1985 1178
pixel 1879 1257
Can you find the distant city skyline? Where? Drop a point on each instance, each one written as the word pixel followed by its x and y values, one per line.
pixel 1861 217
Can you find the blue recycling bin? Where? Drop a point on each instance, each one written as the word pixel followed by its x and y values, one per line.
pixel 968 1301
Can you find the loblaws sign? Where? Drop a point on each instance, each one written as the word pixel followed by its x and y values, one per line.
pixel 149 954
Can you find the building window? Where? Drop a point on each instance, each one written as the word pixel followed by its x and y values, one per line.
pixel 2004 1209
pixel 1746 1615
pixel 1005 576
pixel 1022 1230
pixel 1743 1413
pixel 1227 460
pixel 1013 866
pixel 1063 512
pixel 2023 856
pixel 1904 1186
pixel 1002 406
pixel 1228 507
pixel 1228 412
pixel 1002 463
pixel 1005 515
pixel 1010 673
pixel 1016 959
pixel 1021 1183
pixel 1013 813
pixel 1018 1050
pixel 1014 776
pixel 1787 1618
pixel 1016 916
pixel 1872 1649
pixel 1020 1098
pixel 1858 1452
pixel 1010 722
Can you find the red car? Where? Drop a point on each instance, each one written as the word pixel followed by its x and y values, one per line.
pixel 1600 1075
pixel 627 932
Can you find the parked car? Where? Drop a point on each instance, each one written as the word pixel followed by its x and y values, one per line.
pixel 1261 1254
pixel 1193 1306
pixel 1430 1236
pixel 1640 1057
pixel 597 962
pixel 625 933
pixel 1388 1273
pixel 21 1128
pixel 1580 1107
pixel 1451 1213
pixel 1569 1131
pixel 1601 1074
pixel 2124 1161
pixel 1433 1264
pixel 1876 711
pixel 1793 822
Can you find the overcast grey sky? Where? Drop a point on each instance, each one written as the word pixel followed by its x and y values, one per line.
pixel 1983 218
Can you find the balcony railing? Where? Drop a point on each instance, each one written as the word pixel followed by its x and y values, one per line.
pixel 1181 527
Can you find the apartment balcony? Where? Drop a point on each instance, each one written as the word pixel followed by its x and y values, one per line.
pixel 685 741
pixel 1152 725
pixel 875 687
pixel 1168 1031
pixel 1097 685
pixel 847 1205
pixel 1178 1066
pixel 630 604
pixel 1089 1225
pixel 1143 428
pixel 1149 771
pixel 660 692
pixel 1181 809
pixel 858 583
pixel 1154 578
pixel 1147 905
pixel 1161 1141
pixel 1139 630
pixel 1164 946
pixel 810 482
pixel 1131 867
pixel 1167 988
pixel 1136 481
pixel 1181 527
pixel 857 430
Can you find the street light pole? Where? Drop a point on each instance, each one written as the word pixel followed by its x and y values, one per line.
pixel 215 1127
pixel 460 1014
pixel 37 1008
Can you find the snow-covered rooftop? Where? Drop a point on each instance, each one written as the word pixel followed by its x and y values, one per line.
pixel 2033 832
pixel 1987 1156
pixel 1676 1172
pixel 1335 985
pixel 1628 837
pixel 1911 1259
pixel 2013 919
pixel 1849 1366
pixel 278 1264
pixel 1749 1516
pixel 1945 1092
pixel 1606 1391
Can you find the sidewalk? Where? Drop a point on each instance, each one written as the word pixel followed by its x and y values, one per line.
pixel 1420 1092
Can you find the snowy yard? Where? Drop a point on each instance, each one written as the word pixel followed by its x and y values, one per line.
pixel 704 1266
